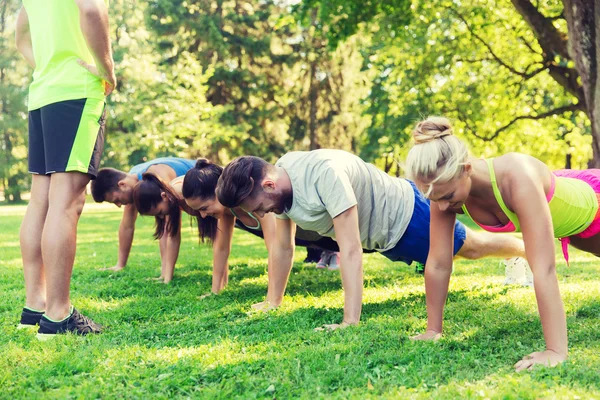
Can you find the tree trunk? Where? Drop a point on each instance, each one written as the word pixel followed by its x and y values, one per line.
pixel 583 20
pixel 313 95
pixel 13 192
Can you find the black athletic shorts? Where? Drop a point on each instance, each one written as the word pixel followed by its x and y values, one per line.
pixel 67 136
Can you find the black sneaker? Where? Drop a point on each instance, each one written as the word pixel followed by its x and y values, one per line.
pixel 76 323
pixel 312 255
pixel 29 318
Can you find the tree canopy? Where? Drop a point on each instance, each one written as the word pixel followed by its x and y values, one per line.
pixel 219 78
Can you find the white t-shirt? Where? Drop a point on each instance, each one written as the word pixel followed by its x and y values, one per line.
pixel 325 183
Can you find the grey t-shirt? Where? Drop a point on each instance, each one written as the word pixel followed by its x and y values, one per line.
pixel 326 183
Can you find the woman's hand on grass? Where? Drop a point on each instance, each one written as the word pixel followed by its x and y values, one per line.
pixel 428 335
pixel 332 327
pixel 548 358
pixel 115 268
pixel 206 295
pixel 263 306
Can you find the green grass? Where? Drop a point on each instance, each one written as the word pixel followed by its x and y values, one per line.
pixel 163 342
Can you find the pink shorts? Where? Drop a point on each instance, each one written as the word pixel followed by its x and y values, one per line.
pixel 592 178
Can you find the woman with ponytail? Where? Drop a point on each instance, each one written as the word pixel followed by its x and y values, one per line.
pixel 216 222
pixel 510 193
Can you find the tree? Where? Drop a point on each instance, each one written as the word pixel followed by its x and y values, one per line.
pixel 581 46
pixel 159 109
pixel 542 48
pixel 281 86
pixel 14 82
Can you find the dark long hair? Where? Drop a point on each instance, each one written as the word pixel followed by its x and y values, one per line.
pixel 147 195
pixel 200 182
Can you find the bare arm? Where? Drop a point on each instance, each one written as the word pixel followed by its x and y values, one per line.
pixel 221 251
pixel 348 237
pixel 23 37
pixel 528 200
pixel 126 232
pixel 282 255
pixel 269 230
pixel 94 26
pixel 438 269
pixel 171 255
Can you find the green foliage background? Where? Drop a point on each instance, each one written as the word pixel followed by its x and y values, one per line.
pixel 220 78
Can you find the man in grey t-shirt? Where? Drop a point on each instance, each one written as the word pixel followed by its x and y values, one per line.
pixel 339 195
pixel 328 182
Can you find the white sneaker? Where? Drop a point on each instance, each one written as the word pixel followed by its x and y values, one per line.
pixel 334 261
pixel 528 281
pixel 514 271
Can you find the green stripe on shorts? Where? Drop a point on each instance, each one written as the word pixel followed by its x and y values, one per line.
pixel 85 139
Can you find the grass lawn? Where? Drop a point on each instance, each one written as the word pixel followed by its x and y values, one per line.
pixel 162 341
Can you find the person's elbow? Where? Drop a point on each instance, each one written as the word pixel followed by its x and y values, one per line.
pixel 351 250
pixel 354 251
pixel 222 248
pixel 544 271
pixel 282 242
pixel 127 228
pixel 436 267
pixel 89 8
pixel 284 247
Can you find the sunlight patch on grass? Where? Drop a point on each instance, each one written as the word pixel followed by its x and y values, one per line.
pixel 520 386
pixel 256 280
pixel 13 263
pixel 96 304
pixel 209 356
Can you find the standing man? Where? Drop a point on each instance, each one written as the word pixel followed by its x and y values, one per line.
pixel 116 187
pixel 68 45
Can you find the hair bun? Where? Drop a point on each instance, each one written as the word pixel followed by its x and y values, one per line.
pixel 432 128
pixel 202 163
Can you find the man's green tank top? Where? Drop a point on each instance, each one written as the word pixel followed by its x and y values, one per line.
pixel 57 45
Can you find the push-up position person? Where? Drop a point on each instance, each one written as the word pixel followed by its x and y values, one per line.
pixel 116 187
pixel 511 193
pixel 195 194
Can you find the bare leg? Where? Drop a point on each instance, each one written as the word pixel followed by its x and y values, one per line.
pixel 31 243
pixel 59 239
pixel 486 244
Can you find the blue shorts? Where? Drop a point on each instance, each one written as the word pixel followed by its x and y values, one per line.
pixel 414 244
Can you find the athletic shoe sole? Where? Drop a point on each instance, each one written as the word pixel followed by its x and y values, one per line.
pixel 26 326
pixel 44 337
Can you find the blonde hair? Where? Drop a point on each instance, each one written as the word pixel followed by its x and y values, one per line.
pixel 437 156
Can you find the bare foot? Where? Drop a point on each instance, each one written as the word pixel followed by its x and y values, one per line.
pixel 115 268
